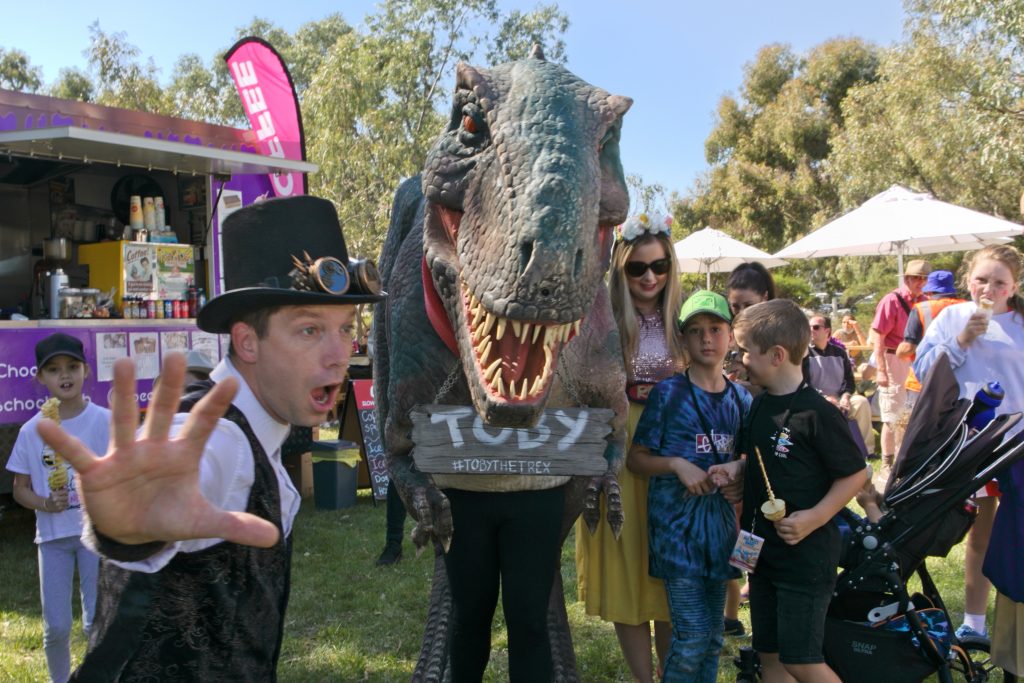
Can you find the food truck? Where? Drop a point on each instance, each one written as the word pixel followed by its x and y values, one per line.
pixel 109 231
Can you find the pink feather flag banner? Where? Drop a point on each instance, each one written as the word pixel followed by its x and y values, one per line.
pixel 268 97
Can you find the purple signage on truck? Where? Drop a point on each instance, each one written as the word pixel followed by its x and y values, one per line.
pixel 21 395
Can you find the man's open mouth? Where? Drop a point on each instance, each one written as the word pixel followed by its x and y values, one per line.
pixel 326 396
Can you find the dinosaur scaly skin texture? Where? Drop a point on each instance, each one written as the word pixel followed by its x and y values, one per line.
pixel 511 224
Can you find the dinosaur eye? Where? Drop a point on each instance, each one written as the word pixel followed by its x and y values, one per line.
pixel 469 123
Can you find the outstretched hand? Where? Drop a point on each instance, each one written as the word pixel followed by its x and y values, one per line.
pixel 146 488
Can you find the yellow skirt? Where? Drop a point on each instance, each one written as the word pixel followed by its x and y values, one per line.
pixel 612 579
pixel 1008 635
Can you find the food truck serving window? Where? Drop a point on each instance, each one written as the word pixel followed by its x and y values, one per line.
pixel 96 146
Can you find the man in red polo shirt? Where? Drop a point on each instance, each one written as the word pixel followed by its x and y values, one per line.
pixel 889 324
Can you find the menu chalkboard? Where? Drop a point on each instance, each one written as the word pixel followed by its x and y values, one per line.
pixel 361 413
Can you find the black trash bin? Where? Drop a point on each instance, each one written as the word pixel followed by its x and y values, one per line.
pixel 335 466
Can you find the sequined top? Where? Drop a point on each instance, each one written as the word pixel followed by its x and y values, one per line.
pixel 653 361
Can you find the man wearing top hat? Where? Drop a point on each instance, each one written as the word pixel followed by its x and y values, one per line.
pixel 196 530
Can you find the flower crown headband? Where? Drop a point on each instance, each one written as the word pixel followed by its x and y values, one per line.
pixel 636 226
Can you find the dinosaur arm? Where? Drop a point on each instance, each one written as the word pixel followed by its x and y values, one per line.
pixel 600 353
pixel 424 501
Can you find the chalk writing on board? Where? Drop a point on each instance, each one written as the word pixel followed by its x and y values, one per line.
pixel 454 439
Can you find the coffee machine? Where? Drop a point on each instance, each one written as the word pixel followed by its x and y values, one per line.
pixel 49 276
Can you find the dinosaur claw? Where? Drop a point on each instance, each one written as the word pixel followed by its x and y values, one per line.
pixel 592 504
pixel 616 515
pixel 433 518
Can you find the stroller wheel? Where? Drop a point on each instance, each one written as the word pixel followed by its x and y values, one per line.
pixel 971 662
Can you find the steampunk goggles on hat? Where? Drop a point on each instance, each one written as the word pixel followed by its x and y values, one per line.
pixel 330 276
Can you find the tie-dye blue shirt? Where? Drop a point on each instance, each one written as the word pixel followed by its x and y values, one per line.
pixel 690 536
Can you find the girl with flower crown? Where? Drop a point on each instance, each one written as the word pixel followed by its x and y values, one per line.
pixel 613 582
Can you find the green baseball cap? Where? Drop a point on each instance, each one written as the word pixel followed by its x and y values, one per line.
pixel 706 302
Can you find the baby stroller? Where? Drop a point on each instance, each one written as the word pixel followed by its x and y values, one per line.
pixel 876 631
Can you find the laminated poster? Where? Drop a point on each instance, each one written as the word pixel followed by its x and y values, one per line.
pixel 175 271
pixel 109 347
pixel 206 344
pixel 144 351
pixel 139 268
pixel 173 342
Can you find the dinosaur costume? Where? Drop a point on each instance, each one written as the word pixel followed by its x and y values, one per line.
pixel 494 262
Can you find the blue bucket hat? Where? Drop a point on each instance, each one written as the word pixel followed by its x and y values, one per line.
pixel 940 282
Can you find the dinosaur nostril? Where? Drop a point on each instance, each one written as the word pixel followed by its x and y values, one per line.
pixel 525 254
pixel 578 265
pixel 545 292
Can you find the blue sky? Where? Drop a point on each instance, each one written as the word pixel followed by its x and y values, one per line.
pixel 675 58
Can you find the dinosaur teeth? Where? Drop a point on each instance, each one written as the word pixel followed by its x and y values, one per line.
pixel 491 370
pixel 487 332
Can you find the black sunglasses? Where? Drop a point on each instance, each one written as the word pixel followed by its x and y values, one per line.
pixel 818 327
pixel 638 268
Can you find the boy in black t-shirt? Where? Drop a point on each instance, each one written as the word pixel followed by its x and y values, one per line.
pixel 815 466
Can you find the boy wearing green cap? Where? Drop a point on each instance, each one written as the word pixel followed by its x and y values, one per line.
pixel 691 422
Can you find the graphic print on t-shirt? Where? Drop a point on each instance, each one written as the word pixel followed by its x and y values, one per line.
pixel 782 443
pixel 723 443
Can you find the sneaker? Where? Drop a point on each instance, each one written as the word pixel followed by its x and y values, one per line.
pixel 392 554
pixel 734 627
pixel 965 632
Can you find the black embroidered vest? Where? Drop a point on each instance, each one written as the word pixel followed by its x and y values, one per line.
pixel 212 615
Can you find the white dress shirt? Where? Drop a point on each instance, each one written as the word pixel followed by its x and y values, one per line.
pixel 227 469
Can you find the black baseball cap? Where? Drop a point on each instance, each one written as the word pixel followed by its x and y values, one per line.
pixel 59 344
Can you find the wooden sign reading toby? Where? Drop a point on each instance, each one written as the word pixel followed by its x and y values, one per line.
pixel 454 440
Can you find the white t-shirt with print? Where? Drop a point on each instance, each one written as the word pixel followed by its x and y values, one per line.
pixel 33 457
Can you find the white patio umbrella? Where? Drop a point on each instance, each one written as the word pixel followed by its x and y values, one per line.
pixel 903 223
pixel 712 251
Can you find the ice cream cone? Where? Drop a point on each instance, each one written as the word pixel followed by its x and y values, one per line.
pixel 985 306
pixel 773 509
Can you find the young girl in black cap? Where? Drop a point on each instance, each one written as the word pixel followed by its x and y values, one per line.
pixel 44 482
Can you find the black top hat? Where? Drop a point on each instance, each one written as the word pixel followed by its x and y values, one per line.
pixel 286 252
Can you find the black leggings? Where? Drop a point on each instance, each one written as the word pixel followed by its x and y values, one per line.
pixel 516 537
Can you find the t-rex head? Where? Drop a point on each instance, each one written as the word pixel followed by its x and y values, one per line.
pixel 523 189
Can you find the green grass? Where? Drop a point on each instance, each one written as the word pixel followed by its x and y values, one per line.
pixel 348 620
